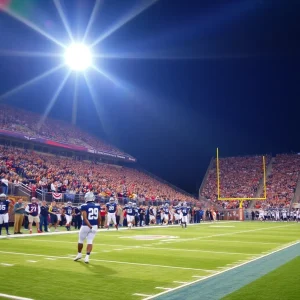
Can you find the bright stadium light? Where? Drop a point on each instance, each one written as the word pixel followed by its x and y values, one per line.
pixel 78 57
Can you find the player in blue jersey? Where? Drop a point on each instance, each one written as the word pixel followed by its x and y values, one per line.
pixel 166 211
pixel 90 221
pixel 185 211
pixel 68 211
pixel 136 214
pixel 5 208
pixel 130 213
pixel 177 214
pixel 111 208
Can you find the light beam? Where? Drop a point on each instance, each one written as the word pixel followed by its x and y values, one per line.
pixel 53 100
pixel 75 100
pixel 29 53
pixel 107 76
pixel 93 97
pixel 63 18
pixel 30 82
pixel 33 26
pixel 92 19
pixel 123 21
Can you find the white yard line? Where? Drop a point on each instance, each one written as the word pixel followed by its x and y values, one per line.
pixel 221 272
pixel 243 242
pixel 6 265
pixel 109 261
pixel 148 247
pixel 14 297
pixel 141 295
pixel 225 234
pixel 104 230
pixel 181 282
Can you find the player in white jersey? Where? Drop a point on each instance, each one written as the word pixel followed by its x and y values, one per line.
pixel 298 215
pixel 277 215
pixel 284 215
pixel 261 215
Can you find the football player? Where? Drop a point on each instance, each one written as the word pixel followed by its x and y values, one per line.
pixel 5 209
pixel 166 212
pixel 53 210
pixel 130 212
pixel 33 209
pixel 151 215
pixel 68 211
pixel 90 222
pixel 185 211
pixel 136 214
pixel 111 208
pixel 177 214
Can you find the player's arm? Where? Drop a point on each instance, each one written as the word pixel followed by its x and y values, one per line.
pixel 27 209
pixel 85 219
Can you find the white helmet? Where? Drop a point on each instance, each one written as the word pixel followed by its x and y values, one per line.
pixel 111 200
pixel 2 195
pixel 89 197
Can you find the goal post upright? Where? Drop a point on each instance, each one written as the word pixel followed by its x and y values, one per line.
pixel 241 200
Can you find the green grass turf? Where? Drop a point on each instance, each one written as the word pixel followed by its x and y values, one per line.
pixel 121 266
pixel 283 283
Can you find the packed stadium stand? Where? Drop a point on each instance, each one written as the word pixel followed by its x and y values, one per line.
pixel 282 182
pixel 24 124
pixel 242 177
pixel 239 177
pixel 65 175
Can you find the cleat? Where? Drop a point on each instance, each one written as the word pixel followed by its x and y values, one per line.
pixel 86 260
pixel 39 231
pixel 79 256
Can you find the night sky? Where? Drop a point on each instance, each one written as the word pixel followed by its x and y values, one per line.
pixel 195 75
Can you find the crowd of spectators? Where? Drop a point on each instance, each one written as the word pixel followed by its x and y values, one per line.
pixel 65 175
pixel 25 122
pixel 239 178
pixel 282 182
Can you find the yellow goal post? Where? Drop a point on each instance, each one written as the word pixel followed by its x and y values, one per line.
pixel 238 198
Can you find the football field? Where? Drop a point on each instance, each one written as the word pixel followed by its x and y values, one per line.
pixel 144 263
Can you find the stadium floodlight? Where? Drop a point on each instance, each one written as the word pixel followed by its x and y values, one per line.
pixel 78 57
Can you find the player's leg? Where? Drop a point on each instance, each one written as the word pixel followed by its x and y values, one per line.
pixel 109 218
pixel 89 239
pixel 68 222
pixel 30 220
pixel 6 223
pixel 1 223
pixel 113 217
pixel 83 232
pixel 128 222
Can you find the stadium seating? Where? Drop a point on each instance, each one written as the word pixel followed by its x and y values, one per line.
pixel 282 182
pixel 18 120
pixel 239 177
pixel 60 174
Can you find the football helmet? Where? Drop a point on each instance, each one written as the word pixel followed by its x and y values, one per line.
pixel 2 196
pixel 111 200
pixel 89 197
